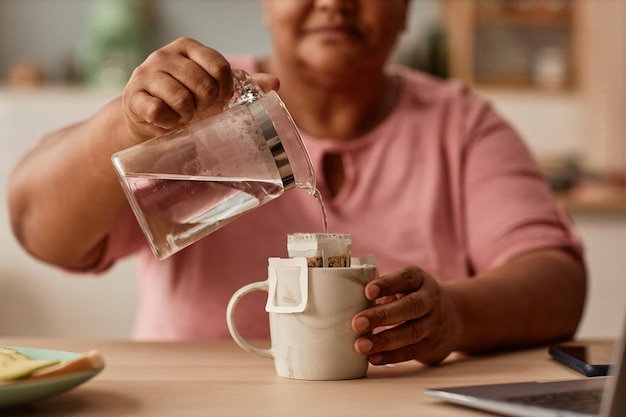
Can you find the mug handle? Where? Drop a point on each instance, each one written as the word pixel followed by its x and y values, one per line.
pixel 230 318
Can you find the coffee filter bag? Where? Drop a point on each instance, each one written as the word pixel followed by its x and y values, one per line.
pixel 322 250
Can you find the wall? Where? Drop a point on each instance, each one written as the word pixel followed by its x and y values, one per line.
pixel 35 299
pixel 551 124
pixel 228 25
pixel 604 237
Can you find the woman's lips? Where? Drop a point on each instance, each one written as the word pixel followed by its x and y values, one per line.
pixel 334 32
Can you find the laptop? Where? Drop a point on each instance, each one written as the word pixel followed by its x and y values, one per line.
pixel 585 397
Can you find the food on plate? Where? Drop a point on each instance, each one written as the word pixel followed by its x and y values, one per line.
pixel 16 366
pixel 85 362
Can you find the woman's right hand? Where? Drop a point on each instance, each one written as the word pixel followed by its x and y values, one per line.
pixel 177 84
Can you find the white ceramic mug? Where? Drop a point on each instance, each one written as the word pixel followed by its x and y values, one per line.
pixel 310 312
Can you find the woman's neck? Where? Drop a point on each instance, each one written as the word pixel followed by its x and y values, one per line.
pixel 339 107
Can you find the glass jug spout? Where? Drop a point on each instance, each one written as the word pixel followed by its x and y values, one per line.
pixel 245 89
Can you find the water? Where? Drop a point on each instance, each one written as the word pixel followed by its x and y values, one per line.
pixel 175 211
pixel 320 202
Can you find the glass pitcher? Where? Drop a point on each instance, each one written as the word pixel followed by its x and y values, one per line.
pixel 190 182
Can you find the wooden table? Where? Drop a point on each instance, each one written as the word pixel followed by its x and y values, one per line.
pixel 220 379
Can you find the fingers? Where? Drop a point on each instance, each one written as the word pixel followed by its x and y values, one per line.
pixel 177 83
pixel 416 303
pixel 182 82
pixel 408 341
pixel 401 281
pixel 412 322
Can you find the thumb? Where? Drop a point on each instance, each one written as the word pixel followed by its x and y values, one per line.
pixel 267 82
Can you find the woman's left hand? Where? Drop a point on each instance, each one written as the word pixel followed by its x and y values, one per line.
pixel 414 319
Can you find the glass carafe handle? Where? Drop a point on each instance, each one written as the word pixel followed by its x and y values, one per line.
pixel 245 89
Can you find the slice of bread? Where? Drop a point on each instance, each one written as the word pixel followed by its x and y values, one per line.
pixel 85 362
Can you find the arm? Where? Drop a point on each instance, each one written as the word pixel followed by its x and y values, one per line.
pixel 535 298
pixel 56 212
pixel 64 195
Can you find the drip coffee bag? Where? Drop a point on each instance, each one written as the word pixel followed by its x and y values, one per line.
pixel 322 250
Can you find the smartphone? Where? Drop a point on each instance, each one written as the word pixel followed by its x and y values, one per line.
pixel 590 359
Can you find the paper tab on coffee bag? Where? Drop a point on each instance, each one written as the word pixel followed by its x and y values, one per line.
pixel 322 250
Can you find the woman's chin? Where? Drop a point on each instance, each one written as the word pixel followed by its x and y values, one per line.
pixel 335 64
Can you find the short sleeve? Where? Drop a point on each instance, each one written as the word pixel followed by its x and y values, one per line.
pixel 509 206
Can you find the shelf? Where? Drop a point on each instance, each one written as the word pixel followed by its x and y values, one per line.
pixel 515 44
pixel 522 85
pixel 605 201
pixel 537 15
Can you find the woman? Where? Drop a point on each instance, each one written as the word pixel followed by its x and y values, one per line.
pixel 473 252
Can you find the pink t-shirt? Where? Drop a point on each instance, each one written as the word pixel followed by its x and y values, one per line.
pixel 443 183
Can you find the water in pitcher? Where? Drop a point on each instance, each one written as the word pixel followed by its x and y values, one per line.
pixel 177 210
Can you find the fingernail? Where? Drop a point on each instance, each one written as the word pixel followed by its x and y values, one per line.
pixel 372 292
pixel 361 324
pixel 364 345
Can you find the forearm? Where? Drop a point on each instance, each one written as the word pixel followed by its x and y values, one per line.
pixel 64 195
pixel 535 298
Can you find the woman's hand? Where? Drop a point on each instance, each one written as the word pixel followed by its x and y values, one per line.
pixel 177 84
pixel 415 319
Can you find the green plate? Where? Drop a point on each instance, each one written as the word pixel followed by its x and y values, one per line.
pixel 24 392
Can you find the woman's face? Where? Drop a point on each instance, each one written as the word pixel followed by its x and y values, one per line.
pixel 335 36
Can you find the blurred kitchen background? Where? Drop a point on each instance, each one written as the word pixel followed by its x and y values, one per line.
pixel 555 68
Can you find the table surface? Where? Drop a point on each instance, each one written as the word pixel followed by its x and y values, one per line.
pixel 176 379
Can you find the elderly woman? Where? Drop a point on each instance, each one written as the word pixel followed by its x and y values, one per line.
pixel 473 252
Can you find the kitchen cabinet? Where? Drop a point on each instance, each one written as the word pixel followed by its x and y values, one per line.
pixel 547 49
pixel 530 44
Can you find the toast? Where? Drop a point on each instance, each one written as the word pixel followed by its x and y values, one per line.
pixel 18 368
pixel 85 362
